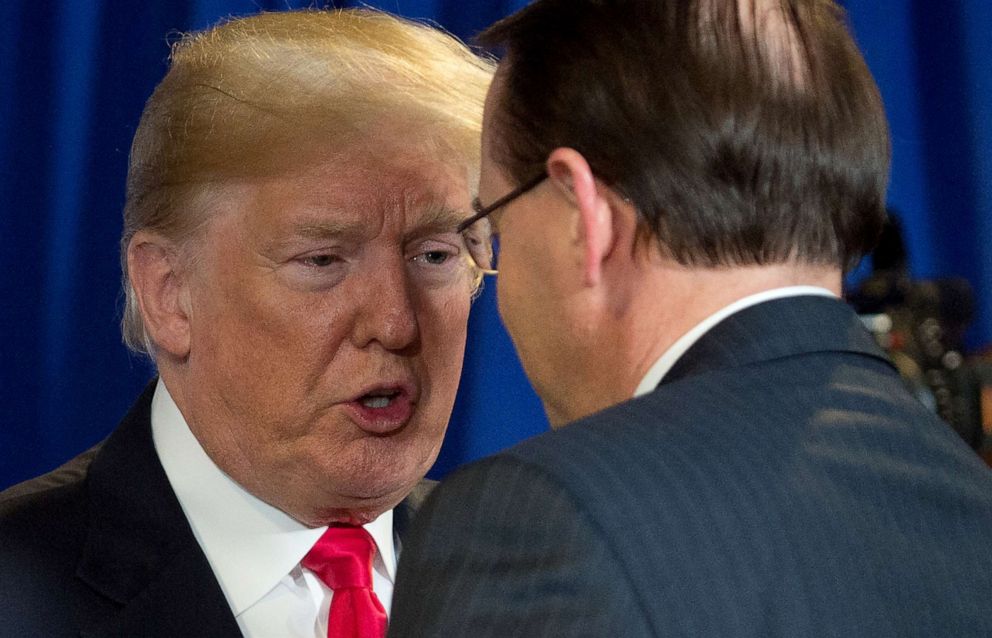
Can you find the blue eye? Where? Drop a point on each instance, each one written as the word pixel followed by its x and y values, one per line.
pixel 319 261
pixel 436 257
pixel 437 251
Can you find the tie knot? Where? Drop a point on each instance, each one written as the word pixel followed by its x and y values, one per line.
pixel 342 558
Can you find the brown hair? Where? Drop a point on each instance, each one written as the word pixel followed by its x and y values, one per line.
pixel 252 95
pixel 745 131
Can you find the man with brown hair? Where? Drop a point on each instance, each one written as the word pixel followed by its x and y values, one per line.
pixel 292 265
pixel 677 187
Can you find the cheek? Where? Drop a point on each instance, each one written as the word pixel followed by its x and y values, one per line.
pixel 514 282
pixel 443 327
pixel 511 295
pixel 254 326
pixel 525 316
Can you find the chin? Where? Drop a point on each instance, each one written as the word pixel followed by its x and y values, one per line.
pixel 346 517
pixel 360 505
pixel 358 515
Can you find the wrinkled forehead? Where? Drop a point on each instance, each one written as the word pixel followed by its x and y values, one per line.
pixel 359 191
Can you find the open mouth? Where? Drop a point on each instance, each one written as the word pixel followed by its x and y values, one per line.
pixel 377 400
pixel 384 409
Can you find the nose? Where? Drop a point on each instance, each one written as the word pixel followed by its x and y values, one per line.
pixel 387 312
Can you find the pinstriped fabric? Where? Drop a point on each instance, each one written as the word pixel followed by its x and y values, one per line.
pixel 514 560
pixel 781 482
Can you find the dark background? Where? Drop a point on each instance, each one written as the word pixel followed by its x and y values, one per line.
pixel 74 75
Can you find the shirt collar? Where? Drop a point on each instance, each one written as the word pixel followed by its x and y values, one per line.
pixel 668 359
pixel 249 544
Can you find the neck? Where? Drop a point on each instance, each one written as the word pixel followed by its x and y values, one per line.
pixel 648 311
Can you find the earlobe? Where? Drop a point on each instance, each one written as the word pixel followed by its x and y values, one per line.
pixel 569 171
pixel 155 275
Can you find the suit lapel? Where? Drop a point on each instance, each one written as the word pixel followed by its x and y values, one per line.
pixel 182 598
pixel 776 329
pixel 404 512
pixel 140 551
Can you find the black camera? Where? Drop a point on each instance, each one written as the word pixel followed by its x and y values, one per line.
pixel 921 324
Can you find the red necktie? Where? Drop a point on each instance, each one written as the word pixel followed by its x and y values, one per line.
pixel 342 558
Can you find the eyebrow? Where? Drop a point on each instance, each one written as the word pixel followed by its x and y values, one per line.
pixel 434 218
pixel 329 228
pixel 439 218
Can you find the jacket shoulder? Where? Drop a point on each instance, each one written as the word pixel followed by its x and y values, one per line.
pixel 45 515
pixel 68 475
pixel 43 528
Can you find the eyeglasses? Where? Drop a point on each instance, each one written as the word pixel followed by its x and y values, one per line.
pixel 482 242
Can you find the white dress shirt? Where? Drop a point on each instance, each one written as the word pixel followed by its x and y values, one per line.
pixel 253 548
pixel 665 362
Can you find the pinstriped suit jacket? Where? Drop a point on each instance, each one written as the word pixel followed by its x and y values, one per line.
pixel 780 482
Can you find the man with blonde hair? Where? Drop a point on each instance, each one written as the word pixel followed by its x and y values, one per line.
pixel 292 266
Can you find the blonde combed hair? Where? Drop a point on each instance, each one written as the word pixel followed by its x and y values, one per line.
pixel 252 95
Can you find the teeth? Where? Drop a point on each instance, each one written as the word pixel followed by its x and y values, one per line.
pixel 376 402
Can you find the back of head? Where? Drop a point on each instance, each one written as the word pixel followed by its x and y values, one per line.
pixel 256 96
pixel 746 132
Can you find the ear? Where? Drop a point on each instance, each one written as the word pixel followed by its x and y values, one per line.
pixel 570 173
pixel 153 267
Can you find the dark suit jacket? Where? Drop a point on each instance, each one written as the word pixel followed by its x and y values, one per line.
pixel 101 547
pixel 779 482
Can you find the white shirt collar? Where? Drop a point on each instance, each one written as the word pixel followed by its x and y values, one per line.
pixel 664 363
pixel 250 544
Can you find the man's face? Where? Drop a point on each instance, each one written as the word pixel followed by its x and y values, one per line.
pixel 328 317
pixel 531 292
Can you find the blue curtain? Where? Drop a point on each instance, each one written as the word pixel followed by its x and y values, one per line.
pixel 74 77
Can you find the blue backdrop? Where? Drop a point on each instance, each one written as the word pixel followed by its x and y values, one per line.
pixel 74 76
